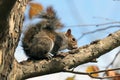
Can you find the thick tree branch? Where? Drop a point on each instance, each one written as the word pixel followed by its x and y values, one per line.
pixel 74 58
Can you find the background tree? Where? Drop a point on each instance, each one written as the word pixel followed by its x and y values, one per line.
pixel 11 20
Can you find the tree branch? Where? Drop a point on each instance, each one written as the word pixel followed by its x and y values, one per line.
pixel 73 58
pixel 113 60
pixel 97 25
pixel 97 30
pixel 95 72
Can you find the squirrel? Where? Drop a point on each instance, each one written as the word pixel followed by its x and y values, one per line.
pixel 42 41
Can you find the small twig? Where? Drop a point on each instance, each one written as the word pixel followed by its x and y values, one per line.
pixel 107 19
pixel 97 25
pixel 113 60
pixel 97 30
pixel 90 73
pixel 104 71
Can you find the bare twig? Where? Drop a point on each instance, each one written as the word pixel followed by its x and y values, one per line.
pixel 113 60
pixel 97 30
pixel 97 25
pixel 103 18
pixel 90 73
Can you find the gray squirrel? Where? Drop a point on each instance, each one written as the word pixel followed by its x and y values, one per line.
pixel 42 41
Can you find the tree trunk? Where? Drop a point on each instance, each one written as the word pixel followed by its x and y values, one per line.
pixel 11 19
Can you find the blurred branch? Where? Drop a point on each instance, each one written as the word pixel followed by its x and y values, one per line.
pixel 97 30
pixel 95 72
pixel 113 60
pixel 103 18
pixel 97 25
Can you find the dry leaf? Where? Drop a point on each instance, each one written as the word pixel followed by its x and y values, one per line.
pixel 35 9
pixel 71 78
pixel 112 74
pixel 92 69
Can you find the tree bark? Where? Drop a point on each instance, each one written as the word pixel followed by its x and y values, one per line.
pixel 11 19
pixel 10 31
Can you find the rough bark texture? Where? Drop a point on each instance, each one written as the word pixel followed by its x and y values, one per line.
pixel 11 19
pixel 5 8
pixel 10 69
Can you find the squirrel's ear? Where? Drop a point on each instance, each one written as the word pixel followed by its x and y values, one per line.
pixel 68 33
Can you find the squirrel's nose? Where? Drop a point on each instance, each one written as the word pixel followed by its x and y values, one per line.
pixel 75 47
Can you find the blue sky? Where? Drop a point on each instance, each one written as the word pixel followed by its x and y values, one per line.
pixel 83 12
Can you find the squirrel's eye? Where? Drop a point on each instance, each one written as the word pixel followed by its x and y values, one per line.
pixel 73 39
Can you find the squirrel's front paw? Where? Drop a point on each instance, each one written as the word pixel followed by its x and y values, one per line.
pixel 49 55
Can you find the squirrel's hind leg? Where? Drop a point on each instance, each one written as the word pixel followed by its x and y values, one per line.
pixel 50 55
pixel 42 46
